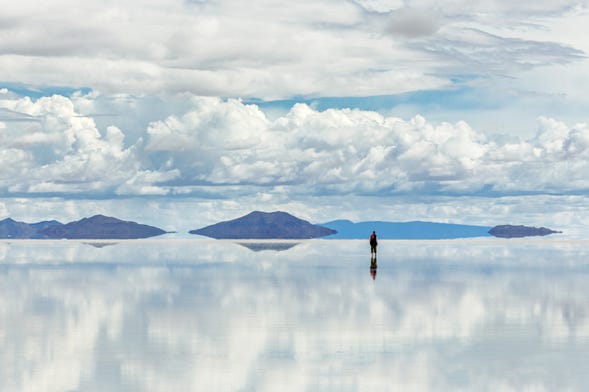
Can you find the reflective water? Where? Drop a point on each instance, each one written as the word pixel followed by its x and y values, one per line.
pixel 484 315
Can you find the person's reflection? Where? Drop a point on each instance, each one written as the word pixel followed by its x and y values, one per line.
pixel 373 267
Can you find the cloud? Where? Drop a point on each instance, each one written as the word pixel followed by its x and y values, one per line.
pixel 215 145
pixel 361 151
pixel 413 23
pixel 270 50
pixel 62 152
pixel 490 8
pixel 489 53
pixel 211 124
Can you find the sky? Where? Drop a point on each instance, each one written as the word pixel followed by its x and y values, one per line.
pixel 186 112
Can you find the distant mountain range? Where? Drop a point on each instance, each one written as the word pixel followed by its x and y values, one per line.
pixel 96 227
pixel 102 227
pixel 9 228
pixel 264 225
pixel 281 225
pixel 416 230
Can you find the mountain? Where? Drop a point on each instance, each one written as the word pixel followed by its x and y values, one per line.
pixel 40 226
pixel 416 230
pixel 9 228
pixel 264 225
pixel 102 227
pixel 510 231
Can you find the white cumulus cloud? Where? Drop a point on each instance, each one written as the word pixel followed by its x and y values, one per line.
pixel 362 151
pixel 61 151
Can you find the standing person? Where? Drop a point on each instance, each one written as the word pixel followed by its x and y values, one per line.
pixel 373 243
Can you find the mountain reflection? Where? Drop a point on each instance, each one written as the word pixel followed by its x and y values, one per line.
pixel 275 246
pixel 100 244
pixel 126 321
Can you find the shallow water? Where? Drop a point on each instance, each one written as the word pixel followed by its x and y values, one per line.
pixel 200 315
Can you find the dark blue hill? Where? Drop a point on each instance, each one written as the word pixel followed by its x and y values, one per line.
pixel 9 228
pixel 264 225
pixel 102 227
pixel 511 231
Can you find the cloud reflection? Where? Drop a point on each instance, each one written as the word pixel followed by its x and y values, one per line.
pixel 212 315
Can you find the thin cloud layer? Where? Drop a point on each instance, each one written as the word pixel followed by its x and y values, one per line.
pixel 268 49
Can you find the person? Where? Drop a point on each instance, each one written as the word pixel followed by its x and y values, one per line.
pixel 373 243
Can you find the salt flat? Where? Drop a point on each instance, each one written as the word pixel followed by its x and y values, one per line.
pixel 200 314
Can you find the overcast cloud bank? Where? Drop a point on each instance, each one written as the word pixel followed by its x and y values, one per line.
pixel 269 49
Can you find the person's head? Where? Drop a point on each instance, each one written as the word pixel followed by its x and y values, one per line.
pixel 373 232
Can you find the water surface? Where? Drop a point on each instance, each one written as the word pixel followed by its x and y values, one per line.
pixel 203 315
